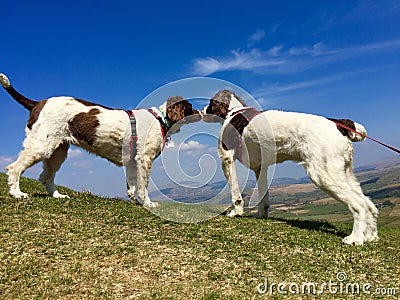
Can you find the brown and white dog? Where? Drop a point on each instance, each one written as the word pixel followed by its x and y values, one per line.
pixel 57 122
pixel 323 148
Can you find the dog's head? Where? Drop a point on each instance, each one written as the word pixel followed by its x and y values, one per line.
pixel 220 105
pixel 180 110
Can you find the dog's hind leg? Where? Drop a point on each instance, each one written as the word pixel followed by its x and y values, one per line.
pixel 331 177
pixel 263 192
pixel 26 159
pixel 371 231
pixel 50 167
pixel 38 145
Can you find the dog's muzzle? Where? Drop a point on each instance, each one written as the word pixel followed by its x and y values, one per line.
pixel 192 117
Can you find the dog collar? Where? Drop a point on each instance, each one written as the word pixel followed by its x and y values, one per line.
pixel 163 124
pixel 160 112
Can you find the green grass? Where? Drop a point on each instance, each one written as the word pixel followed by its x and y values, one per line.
pixel 88 247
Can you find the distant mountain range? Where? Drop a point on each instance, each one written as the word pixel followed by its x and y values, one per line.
pixel 385 163
pixel 190 192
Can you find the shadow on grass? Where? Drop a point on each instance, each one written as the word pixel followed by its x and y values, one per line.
pixel 321 226
pixel 40 195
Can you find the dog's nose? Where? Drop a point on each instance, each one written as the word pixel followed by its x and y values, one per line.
pixel 197 114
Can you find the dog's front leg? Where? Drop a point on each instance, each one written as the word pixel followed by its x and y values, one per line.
pixel 131 178
pixel 263 192
pixel 229 168
pixel 144 168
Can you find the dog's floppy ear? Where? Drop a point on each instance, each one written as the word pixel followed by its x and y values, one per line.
pixel 219 104
pixel 176 107
pixel 218 108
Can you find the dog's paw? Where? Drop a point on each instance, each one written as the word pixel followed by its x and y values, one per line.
pixel 372 237
pixel 20 195
pixel 56 194
pixel 131 193
pixel 235 212
pixel 135 201
pixel 151 204
pixel 353 240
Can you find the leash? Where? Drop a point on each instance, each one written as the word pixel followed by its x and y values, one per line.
pixel 365 136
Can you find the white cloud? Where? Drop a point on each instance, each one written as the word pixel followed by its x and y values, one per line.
pixel 32 172
pixel 274 51
pixel 84 164
pixel 262 101
pixel 238 60
pixel 206 66
pixel 192 145
pixel 270 90
pixel 370 9
pixel 194 148
pixel 257 36
pixel 277 89
pixel 314 50
pixel 275 27
pixel 74 153
pixel 280 60
pixel 5 160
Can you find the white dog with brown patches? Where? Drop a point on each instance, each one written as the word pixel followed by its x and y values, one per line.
pixel 57 122
pixel 322 147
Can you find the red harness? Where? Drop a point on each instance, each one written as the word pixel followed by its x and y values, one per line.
pixel 232 134
pixel 134 137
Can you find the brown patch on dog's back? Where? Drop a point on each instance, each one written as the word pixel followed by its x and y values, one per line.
pixel 346 122
pixel 83 126
pixel 35 112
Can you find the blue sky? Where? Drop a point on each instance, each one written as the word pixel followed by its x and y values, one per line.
pixel 332 58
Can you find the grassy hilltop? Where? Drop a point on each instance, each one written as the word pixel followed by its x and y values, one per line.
pixel 88 247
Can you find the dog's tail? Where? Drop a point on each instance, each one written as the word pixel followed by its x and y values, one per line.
pixel 354 131
pixel 25 102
